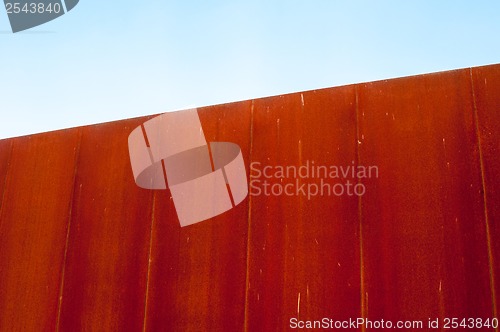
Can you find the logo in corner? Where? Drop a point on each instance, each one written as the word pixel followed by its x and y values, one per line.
pixel 25 15
pixel 205 179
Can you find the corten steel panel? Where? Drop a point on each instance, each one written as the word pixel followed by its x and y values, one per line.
pixel 105 275
pixel 303 253
pixel 83 248
pixel 423 222
pixel 486 83
pixel 33 228
pixel 198 273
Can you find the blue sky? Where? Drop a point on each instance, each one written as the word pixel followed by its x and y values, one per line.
pixel 108 60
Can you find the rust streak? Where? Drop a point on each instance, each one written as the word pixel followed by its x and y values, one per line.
pixel 146 297
pixel 364 302
pixel 68 230
pixel 247 279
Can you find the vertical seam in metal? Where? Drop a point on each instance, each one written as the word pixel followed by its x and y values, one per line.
pixel 249 219
pixel 485 201
pixel 146 297
pixel 360 218
pixel 151 230
pixel 70 216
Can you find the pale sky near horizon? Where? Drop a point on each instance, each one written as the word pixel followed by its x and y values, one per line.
pixel 107 61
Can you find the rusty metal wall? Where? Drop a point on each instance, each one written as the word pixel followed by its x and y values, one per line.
pixel 83 248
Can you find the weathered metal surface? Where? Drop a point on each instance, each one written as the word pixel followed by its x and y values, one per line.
pixel 423 221
pixel 36 204
pixel 105 274
pixel 201 269
pixel 82 247
pixel 304 253
pixel 486 83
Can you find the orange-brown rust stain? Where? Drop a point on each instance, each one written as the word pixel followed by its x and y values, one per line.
pixel 198 273
pixel 34 220
pixel 423 221
pixel 107 255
